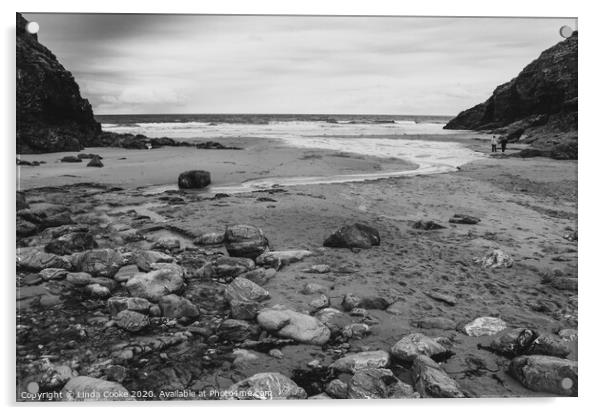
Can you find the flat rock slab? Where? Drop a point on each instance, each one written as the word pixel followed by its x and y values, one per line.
pixel 265 386
pixel 484 326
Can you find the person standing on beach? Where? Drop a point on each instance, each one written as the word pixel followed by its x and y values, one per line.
pixel 493 144
pixel 504 141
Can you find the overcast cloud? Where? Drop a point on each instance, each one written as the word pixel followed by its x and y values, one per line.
pixel 262 64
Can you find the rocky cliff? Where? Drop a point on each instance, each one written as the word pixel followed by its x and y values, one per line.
pixel 540 104
pixel 51 114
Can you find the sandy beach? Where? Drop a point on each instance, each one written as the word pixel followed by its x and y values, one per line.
pixel 526 207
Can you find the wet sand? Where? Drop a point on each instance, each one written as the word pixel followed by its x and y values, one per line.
pixel 526 207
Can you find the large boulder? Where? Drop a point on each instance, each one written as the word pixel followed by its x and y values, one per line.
pixel 291 324
pixel 357 235
pixel 431 381
pixel 546 374
pixel 98 262
pixel 156 284
pixel 364 360
pixel 194 179
pixel 416 344
pixel 245 241
pixel 265 386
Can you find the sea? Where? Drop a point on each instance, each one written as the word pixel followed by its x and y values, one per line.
pixel 384 136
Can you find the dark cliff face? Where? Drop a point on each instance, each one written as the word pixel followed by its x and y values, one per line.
pixel 542 96
pixel 51 114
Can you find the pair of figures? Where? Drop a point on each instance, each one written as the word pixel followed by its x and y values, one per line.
pixel 495 140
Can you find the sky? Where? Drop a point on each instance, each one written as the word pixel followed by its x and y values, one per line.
pixel 161 64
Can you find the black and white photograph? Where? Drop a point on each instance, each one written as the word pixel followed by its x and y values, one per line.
pixel 215 207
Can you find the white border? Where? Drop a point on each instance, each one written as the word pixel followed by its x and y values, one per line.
pixel 590 138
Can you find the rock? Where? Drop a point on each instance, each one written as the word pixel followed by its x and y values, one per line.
pixel 356 331
pixel 337 389
pixel 313 288
pixel 245 241
pixel 335 320
pixel 363 360
pixel 242 289
pixel 259 276
pixel 431 381
pixel 427 225
pixel 125 273
pixel 276 354
pixel 546 374
pixel 21 201
pixel 53 274
pixel 131 320
pixel 440 323
pixel 398 308
pixel 318 269
pixel 242 356
pixel 71 242
pixel 156 284
pixel 549 345
pixel 237 330
pixel 318 303
pixel 117 304
pixel 484 326
pixel 25 228
pixel 265 386
pixel 228 268
pixel 34 260
pixel 320 396
pixel 374 302
pixel 542 99
pixel 276 259
pixel 444 298
pixel 174 306
pixel 98 262
pixel 462 219
pixel 87 389
pixel 357 235
pixel 496 258
pixel 145 259
pixel 291 324
pixel 350 301
pixel 210 238
pixel 564 283
pixel 570 236
pixel 194 179
pixel 511 342
pixel 71 159
pixel 416 344
pixel 97 291
pixel 377 384
pixel 166 244
pixel 568 334
pixel 88 156
pixel 95 162
pixel 79 279
pixel 244 310
pixel 50 376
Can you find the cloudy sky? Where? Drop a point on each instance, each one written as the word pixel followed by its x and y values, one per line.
pixel 285 64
